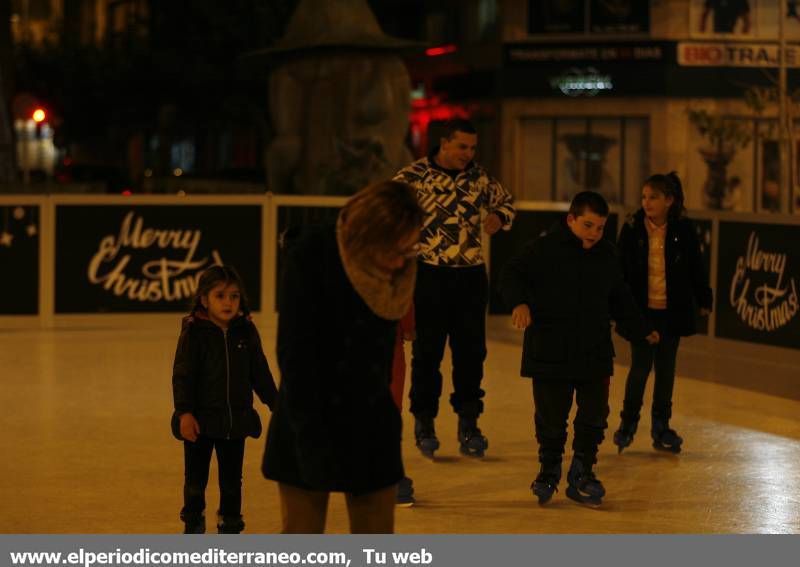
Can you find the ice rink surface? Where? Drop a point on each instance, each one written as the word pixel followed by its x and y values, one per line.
pixel 86 448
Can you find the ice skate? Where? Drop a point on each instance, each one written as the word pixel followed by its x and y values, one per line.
pixel 194 523
pixel 664 438
pixel 546 483
pixel 472 441
pixel 425 435
pixel 583 487
pixel 229 524
pixel 405 493
pixel 623 436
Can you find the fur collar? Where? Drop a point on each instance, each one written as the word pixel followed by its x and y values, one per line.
pixel 389 297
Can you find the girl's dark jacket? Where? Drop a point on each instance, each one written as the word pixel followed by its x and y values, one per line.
pixel 573 294
pixel 687 280
pixel 214 375
pixel 335 427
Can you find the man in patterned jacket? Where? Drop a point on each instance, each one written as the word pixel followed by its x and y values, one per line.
pixel 452 286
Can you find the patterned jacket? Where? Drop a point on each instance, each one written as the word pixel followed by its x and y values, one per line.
pixel 451 233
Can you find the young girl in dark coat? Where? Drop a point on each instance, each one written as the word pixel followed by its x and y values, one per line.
pixel 218 363
pixel 663 266
pixel 336 427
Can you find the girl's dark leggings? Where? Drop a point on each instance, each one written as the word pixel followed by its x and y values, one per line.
pixel 197 460
pixel 644 358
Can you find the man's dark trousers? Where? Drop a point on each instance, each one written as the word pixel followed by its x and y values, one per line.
pixel 449 302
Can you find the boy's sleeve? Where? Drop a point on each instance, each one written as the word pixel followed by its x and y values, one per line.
pixel 626 251
pixel 518 275
pixel 184 373
pixel 262 379
pixel 623 307
pixel 703 294
pixel 501 202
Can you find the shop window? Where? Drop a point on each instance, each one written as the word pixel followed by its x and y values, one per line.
pixel 487 17
pixel 563 156
pixel 744 177
pixel 588 17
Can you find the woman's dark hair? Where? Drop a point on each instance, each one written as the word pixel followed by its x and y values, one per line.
pixel 211 278
pixel 668 185
pixel 378 216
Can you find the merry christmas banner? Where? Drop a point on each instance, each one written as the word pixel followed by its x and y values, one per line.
pixel 149 257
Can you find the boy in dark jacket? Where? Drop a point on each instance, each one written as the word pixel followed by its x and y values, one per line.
pixel 565 288
pixel 218 363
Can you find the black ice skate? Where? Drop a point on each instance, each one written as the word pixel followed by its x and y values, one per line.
pixel 405 493
pixel 193 524
pixel 546 483
pixel 623 436
pixel 425 435
pixel 583 487
pixel 472 441
pixel 229 524
pixel 664 438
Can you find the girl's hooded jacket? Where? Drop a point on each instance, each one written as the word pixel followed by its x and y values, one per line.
pixel 214 375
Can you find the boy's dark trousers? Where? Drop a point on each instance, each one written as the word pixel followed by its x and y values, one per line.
pixel 553 401
pixel 645 357
pixel 449 302
pixel 197 460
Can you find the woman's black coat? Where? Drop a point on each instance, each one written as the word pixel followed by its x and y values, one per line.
pixel 573 294
pixel 336 427
pixel 687 280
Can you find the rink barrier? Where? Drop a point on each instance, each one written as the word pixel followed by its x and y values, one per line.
pixel 54 271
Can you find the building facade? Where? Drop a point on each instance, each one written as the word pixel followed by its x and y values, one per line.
pixel 598 94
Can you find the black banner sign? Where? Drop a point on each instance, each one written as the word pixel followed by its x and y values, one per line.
pixel 19 259
pixel 645 51
pixel 757 283
pixel 528 225
pixel 148 258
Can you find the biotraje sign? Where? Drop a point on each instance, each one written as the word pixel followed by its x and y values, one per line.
pixel 694 54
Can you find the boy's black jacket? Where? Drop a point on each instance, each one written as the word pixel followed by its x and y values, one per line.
pixel 573 294
pixel 687 281
pixel 214 376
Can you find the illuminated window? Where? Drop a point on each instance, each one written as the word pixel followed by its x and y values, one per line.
pixel 564 155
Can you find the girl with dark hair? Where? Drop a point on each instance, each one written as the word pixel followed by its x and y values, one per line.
pixel 663 266
pixel 218 363
pixel 336 427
